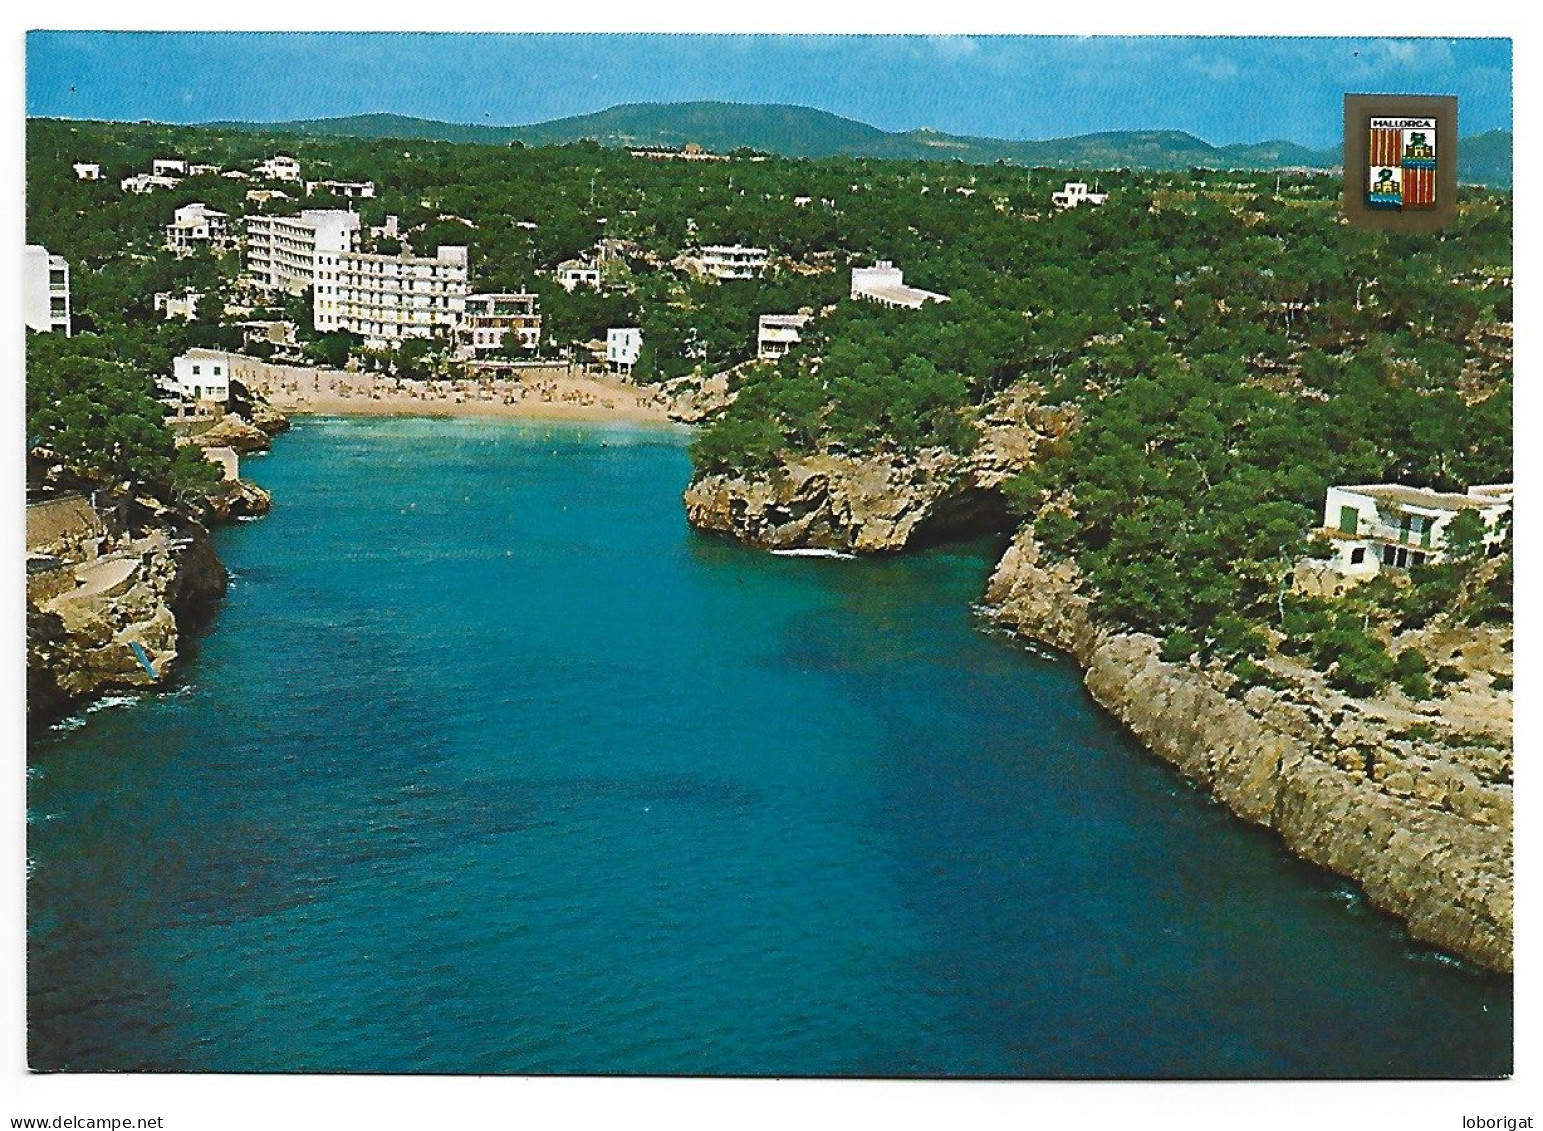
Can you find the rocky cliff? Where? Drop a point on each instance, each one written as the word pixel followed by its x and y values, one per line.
pixel 1420 817
pixel 879 503
pixel 152 591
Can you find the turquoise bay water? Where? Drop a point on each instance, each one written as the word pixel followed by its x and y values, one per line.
pixel 492 765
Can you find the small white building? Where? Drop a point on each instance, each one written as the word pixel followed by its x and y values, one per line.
pixel 202 375
pixel 280 167
pixel 352 190
pixel 45 291
pixel 184 306
pixel 264 195
pixel 1388 525
pixel 575 273
pixel 195 224
pixel 141 183
pixel 168 167
pixel 1075 193
pixel 205 170
pixel 733 261
pixel 623 345
pixel 884 283
pixel 778 333
pixel 490 318
pixel 87 171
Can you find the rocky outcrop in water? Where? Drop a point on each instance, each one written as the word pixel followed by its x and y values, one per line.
pixel 237 434
pixel 1419 817
pixel 881 502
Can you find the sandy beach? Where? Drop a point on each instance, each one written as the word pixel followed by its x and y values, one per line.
pixel 549 393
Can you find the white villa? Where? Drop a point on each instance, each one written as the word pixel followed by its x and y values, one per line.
pixel 142 183
pixel 575 273
pixel 778 333
pixel 184 306
pixel 733 261
pixel 168 167
pixel 194 224
pixel 45 290
pixel 202 375
pixel 1075 193
pixel 884 283
pixel 281 251
pixel 1379 525
pixel 279 168
pixel 623 345
pixel 490 318
pixel 353 190
pixel 389 298
pixel 87 171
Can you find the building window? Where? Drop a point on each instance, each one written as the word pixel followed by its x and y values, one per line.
pixel 1358 555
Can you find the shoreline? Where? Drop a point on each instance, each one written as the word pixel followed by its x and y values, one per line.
pixel 537 394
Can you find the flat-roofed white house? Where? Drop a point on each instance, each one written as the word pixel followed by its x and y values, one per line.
pixel 279 167
pixel 389 298
pixel 1075 194
pixel 575 273
pixel 1388 525
pixel 184 306
pixel 202 375
pixel 205 170
pixel 778 333
pixel 490 318
pixel 281 251
pixel 195 224
pixel 732 261
pixel 45 291
pixel 141 183
pixel 87 171
pixel 168 167
pixel 884 283
pixel 353 190
pixel 623 345
pixel 273 332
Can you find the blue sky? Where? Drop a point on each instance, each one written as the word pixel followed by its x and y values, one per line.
pixel 1220 89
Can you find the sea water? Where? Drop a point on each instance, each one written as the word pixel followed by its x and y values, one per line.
pixel 491 764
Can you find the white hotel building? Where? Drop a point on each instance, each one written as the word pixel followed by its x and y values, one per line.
pixel 45 291
pixel 389 298
pixel 281 251
pixel 733 261
pixel 490 318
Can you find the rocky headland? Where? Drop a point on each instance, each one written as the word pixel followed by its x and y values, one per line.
pixel 119 582
pixel 889 502
pixel 1410 800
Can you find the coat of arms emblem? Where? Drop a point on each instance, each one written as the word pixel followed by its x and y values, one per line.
pixel 1401 164
pixel 1400 161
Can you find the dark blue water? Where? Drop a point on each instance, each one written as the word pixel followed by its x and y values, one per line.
pixel 492 765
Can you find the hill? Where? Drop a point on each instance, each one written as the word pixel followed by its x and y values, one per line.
pixel 799 131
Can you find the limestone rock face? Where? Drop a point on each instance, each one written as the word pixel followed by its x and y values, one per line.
pixel 241 499
pixel 1423 826
pixel 152 593
pixel 267 419
pixel 233 432
pixel 879 503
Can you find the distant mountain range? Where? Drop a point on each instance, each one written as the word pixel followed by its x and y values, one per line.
pixel 799 131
